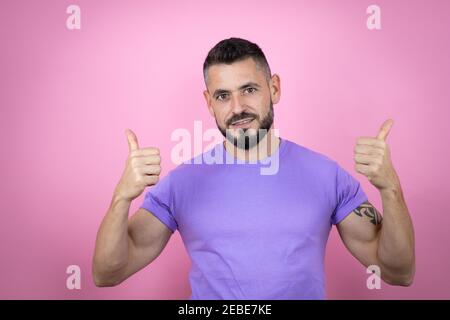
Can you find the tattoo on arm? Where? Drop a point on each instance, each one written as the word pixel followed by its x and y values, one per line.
pixel 368 210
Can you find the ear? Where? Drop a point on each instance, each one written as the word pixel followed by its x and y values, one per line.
pixel 208 102
pixel 275 88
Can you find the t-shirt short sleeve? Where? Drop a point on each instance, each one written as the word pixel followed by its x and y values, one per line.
pixel 158 200
pixel 349 195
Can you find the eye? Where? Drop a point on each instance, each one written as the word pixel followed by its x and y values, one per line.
pixel 221 96
pixel 250 90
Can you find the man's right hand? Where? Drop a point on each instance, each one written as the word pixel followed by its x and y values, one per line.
pixel 142 169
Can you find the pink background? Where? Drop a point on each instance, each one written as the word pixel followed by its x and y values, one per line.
pixel 67 97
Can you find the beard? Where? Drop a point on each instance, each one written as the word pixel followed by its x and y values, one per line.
pixel 247 138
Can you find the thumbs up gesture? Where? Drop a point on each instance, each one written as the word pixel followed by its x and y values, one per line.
pixel 373 159
pixel 142 169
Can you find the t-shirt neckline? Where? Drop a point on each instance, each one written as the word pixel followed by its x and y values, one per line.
pixel 279 150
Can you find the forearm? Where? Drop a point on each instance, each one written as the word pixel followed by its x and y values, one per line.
pixel 396 240
pixel 111 249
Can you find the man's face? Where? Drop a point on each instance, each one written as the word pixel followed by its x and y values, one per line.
pixel 241 100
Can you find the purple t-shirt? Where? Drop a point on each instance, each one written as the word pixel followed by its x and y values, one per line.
pixel 255 236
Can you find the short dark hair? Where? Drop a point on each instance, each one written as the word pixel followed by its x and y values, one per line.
pixel 236 49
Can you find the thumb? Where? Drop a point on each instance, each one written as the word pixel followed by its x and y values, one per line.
pixel 384 130
pixel 132 140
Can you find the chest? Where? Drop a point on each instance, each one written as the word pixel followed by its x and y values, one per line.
pixel 243 208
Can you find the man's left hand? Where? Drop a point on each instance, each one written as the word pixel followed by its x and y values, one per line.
pixel 373 159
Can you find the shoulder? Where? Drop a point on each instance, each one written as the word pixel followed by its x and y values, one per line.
pixel 309 158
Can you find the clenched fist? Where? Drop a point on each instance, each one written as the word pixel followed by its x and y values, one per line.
pixel 142 169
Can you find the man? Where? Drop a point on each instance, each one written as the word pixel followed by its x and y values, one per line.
pixel 254 236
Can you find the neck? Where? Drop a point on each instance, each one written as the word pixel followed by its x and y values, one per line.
pixel 263 149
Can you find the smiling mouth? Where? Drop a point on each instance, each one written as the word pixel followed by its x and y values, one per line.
pixel 242 122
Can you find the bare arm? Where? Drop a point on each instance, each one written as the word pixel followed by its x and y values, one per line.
pixel 124 246
pixel 396 244
pixel 388 242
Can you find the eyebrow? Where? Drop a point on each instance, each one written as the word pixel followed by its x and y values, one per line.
pixel 246 85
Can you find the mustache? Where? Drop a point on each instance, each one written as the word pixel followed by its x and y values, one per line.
pixel 241 116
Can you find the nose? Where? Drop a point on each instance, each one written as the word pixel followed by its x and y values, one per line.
pixel 237 103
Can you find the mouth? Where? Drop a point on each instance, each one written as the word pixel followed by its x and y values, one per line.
pixel 243 123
